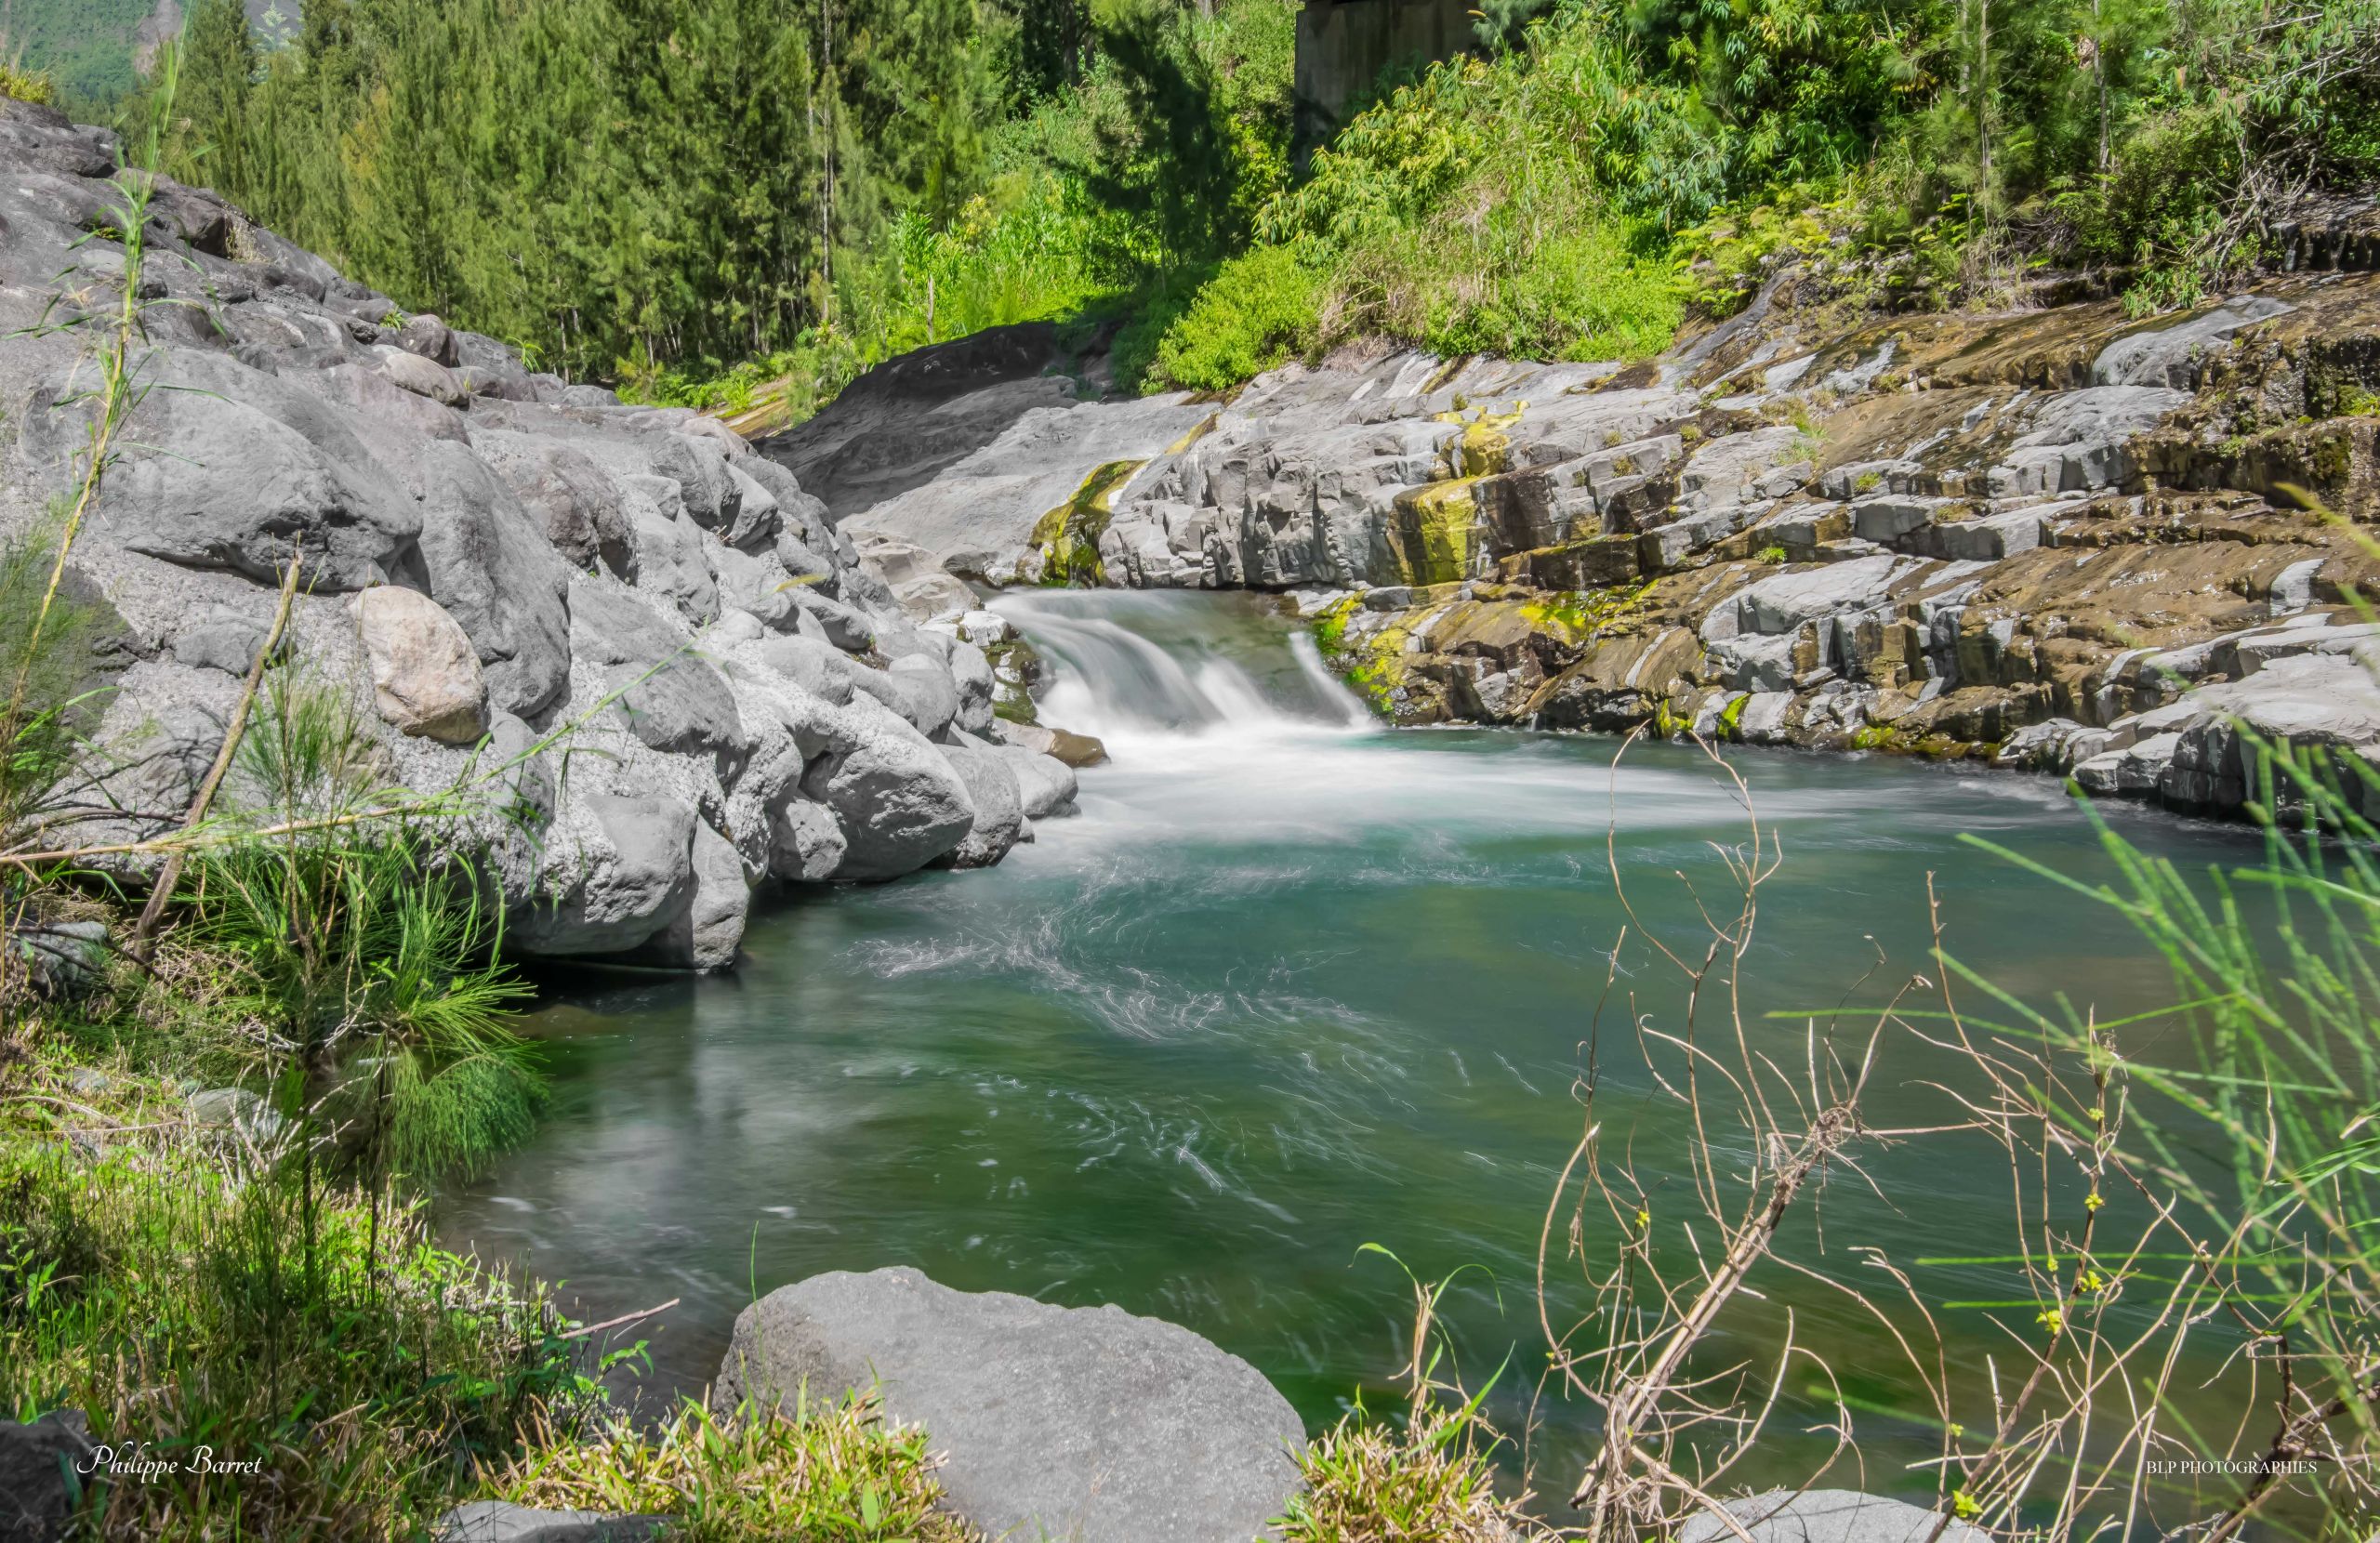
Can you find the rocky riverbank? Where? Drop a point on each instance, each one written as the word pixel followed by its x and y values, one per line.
pixel 705 686
pixel 2050 536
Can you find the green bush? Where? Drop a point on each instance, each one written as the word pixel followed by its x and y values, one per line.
pixel 1259 311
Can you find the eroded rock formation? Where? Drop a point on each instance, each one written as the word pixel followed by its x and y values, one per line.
pixel 693 682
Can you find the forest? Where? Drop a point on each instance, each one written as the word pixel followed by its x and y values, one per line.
pixel 693 197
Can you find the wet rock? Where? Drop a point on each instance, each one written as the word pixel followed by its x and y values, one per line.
pixel 1086 1423
pixel 2167 353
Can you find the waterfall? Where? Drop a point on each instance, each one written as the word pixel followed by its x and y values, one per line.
pixel 1137 665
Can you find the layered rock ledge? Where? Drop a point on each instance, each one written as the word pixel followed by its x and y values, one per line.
pixel 2050 537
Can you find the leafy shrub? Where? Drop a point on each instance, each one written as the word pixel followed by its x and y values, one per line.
pixel 1259 311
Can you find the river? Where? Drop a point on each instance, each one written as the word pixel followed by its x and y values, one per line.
pixel 1290 985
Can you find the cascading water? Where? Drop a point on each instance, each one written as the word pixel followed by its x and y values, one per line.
pixel 1289 984
pixel 1133 663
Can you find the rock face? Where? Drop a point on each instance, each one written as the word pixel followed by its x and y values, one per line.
pixel 722 691
pixel 1082 1423
pixel 1938 535
pixel 36 1504
pixel 1827 1516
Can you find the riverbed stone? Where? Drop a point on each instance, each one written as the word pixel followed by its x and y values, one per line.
pixel 502 1522
pixel 617 872
pixel 999 803
pixel 1089 1423
pixel 36 1459
pixel 900 803
pixel 1827 1516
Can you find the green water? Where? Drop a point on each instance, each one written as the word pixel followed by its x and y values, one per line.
pixel 1285 988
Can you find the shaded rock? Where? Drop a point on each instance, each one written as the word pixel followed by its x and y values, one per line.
pixel 38 1475
pixel 1084 1423
pixel 428 338
pixel 502 1522
pixel 1827 1516
pixel 62 959
pixel 426 676
pixel 708 933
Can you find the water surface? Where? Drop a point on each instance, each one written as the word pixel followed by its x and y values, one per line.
pixel 1290 985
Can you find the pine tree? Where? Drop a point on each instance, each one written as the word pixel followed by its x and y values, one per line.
pixel 218 71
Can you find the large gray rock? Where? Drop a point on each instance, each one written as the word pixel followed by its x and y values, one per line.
pixel 706 934
pixel 999 804
pixel 1047 784
pixel 900 803
pixel 572 498
pixel 618 872
pixel 1082 1423
pixel 670 696
pixel 1827 1516
pixel 502 1522
pixel 37 1462
pixel 491 566
pixel 235 468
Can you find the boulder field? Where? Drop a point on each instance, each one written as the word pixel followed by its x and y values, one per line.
pixel 648 645
pixel 2051 536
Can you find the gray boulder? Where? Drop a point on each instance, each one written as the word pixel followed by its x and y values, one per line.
pixel 502 1522
pixel 666 556
pixel 671 698
pixel 491 566
pixel 999 805
pixel 706 934
pixel 1047 784
pixel 574 500
pixel 618 872
pixel 900 804
pixel 38 1463
pixel 235 470
pixel 1083 1423
pixel 1827 1516
pixel 428 338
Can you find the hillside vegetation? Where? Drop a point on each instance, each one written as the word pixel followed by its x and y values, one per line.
pixel 715 200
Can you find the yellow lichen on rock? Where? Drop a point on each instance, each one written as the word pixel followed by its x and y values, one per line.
pixel 1068 538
